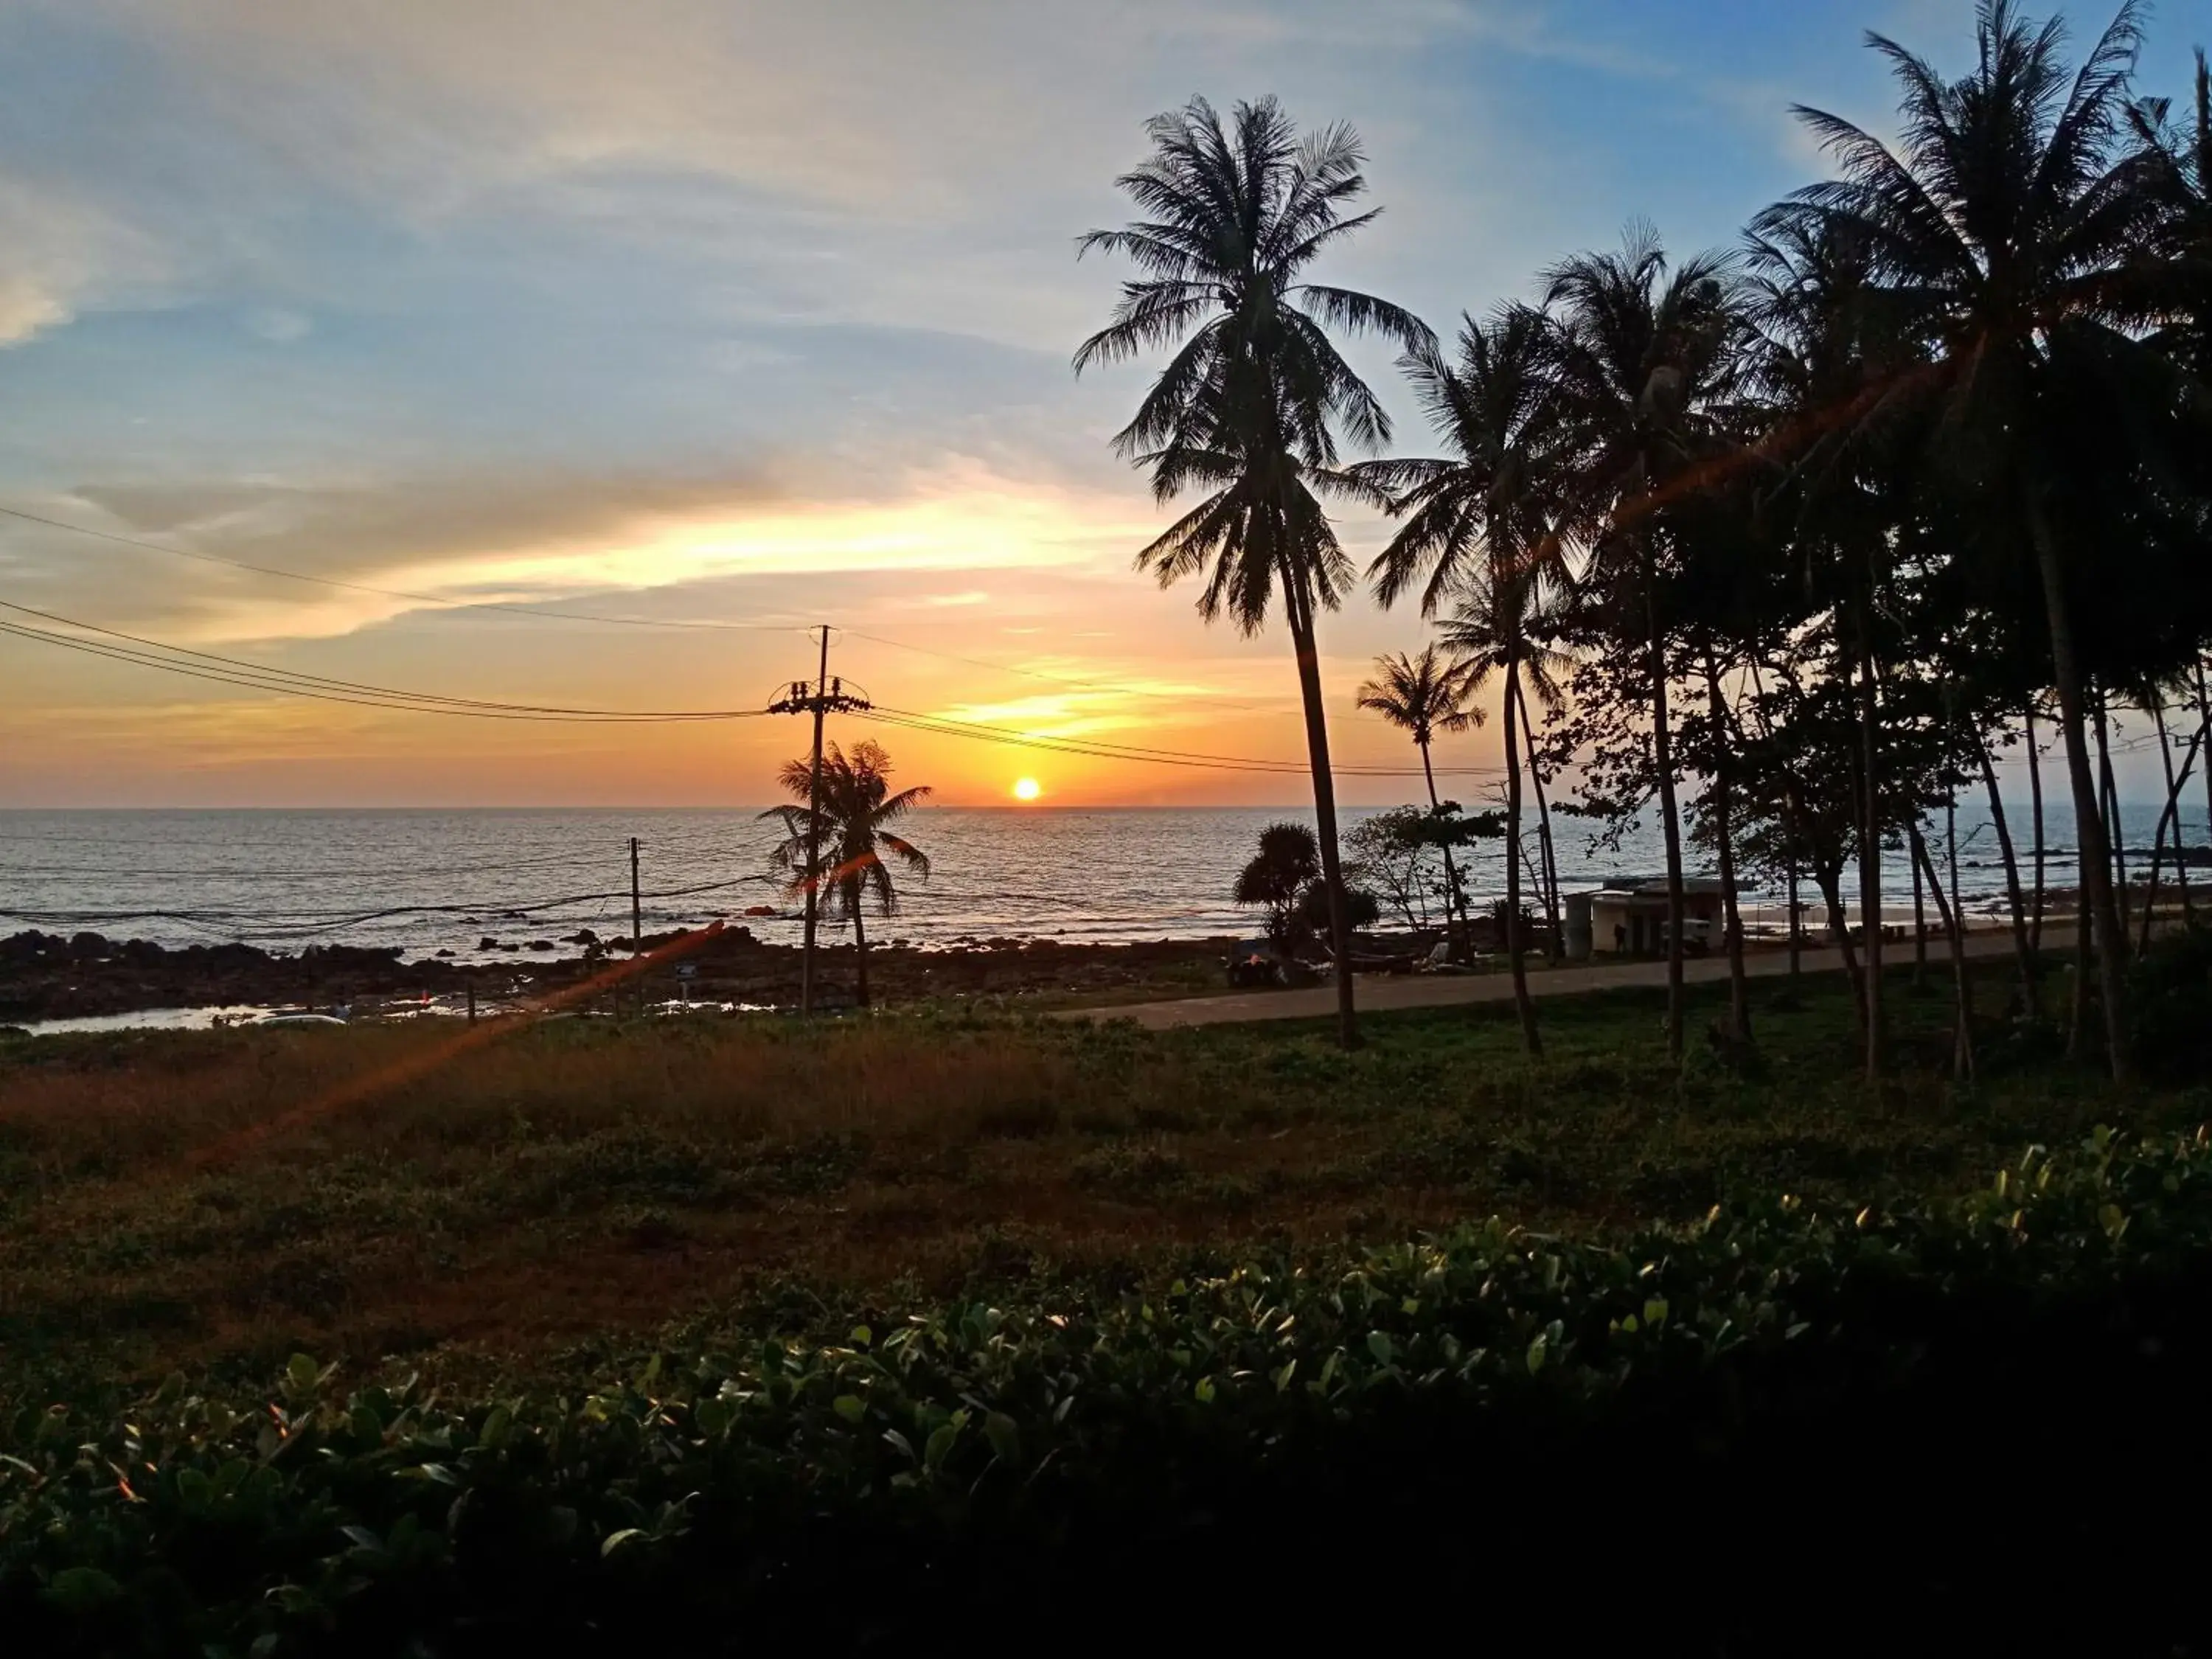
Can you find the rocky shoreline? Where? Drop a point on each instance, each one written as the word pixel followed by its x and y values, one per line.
pixel 46 976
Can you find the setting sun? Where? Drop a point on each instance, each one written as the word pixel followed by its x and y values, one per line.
pixel 1026 789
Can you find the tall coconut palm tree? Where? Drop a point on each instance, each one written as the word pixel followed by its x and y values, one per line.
pixel 1487 526
pixel 857 806
pixel 1249 409
pixel 1489 632
pixel 1828 356
pixel 1646 363
pixel 2001 228
pixel 1423 696
pixel 2179 159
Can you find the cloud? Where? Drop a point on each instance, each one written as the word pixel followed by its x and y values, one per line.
pixel 540 540
pixel 57 253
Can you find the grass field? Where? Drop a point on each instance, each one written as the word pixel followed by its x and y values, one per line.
pixel 530 1198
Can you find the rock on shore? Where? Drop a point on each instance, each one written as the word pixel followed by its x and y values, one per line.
pixel 54 977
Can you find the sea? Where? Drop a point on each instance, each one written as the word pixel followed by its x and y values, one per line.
pixel 463 884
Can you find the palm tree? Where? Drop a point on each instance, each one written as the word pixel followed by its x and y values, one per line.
pixel 2002 229
pixel 1422 696
pixel 1646 361
pixel 1827 358
pixel 2179 162
pixel 1248 410
pixel 1484 525
pixel 1490 632
pixel 856 807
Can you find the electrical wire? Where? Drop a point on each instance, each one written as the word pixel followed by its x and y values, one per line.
pixel 232 671
pixel 1103 748
pixel 1035 674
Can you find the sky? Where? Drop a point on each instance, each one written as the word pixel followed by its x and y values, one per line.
pixel 760 315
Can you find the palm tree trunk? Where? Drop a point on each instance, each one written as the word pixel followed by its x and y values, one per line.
pixel 1919 930
pixel 1791 923
pixel 1829 878
pixel 1515 946
pixel 2173 811
pixel 2109 795
pixel 859 946
pixel 2085 960
pixel 2204 730
pixel 2096 866
pixel 1732 914
pixel 1324 783
pixel 1662 759
pixel 1555 942
pixel 1454 918
pixel 2030 1003
pixel 1962 1037
pixel 1870 842
pixel 2035 795
pixel 2171 814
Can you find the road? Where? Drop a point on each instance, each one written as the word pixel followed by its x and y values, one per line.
pixel 1380 994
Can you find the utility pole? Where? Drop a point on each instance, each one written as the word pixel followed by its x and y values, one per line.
pixel 814 838
pixel 636 926
pixel 818 700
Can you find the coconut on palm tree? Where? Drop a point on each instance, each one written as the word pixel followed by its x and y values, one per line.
pixel 1646 363
pixel 852 832
pixel 1249 411
pixel 1486 525
pixel 2002 229
pixel 1423 696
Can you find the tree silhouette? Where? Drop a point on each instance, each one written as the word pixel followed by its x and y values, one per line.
pixel 857 806
pixel 1485 527
pixel 1422 696
pixel 1248 410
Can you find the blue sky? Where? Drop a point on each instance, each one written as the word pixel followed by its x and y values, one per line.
pixel 748 313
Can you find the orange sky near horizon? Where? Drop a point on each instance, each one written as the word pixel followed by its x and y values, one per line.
pixel 1005 607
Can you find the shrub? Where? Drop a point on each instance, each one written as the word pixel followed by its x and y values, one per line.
pixel 1739 1375
pixel 2171 996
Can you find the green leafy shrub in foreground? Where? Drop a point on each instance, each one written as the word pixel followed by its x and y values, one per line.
pixel 829 1484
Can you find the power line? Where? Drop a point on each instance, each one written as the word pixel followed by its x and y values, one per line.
pixel 512 608
pixel 234 671
pixel 1101 748
pixel 117 646
pixel 1035 674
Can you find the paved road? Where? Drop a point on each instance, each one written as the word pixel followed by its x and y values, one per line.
pixel 1379 993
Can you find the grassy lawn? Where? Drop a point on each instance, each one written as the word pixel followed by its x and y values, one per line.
pixel 473 1202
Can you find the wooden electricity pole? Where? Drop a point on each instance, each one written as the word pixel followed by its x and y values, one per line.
pixel 817 700
pixel 814 836
pixel 637 928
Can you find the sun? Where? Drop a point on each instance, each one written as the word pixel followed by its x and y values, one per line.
pixel 1026 789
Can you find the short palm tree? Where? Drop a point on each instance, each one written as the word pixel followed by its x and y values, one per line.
pixel 1486 525
pixel 1646 364
pixel 857 806
pixel 2003 229
pixel 1249 409
pixel 1423 696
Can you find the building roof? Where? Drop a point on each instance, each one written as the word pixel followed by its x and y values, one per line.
pixel 1656 886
